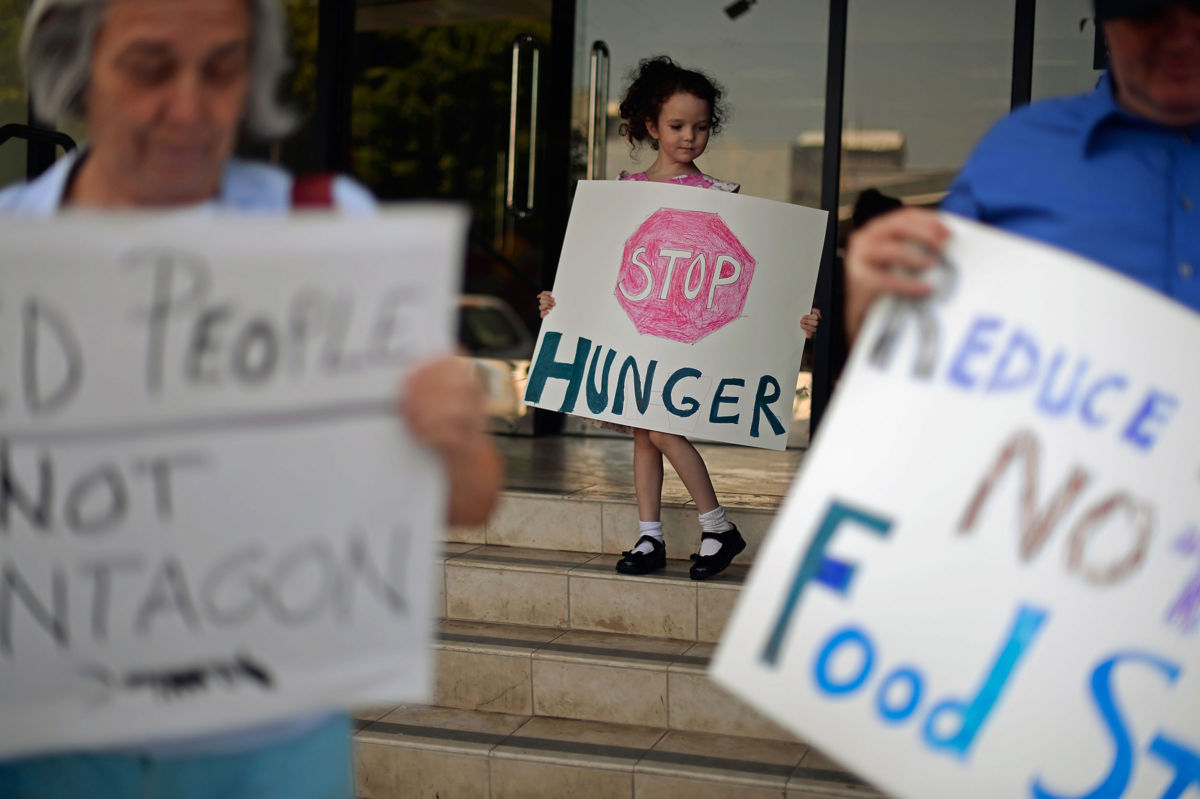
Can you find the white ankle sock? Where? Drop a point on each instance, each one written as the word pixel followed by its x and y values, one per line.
pixel 652 529
pixel 713 522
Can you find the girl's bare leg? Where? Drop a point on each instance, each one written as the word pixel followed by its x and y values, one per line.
pixel 649 553
pixel 647 476
pixel 688 465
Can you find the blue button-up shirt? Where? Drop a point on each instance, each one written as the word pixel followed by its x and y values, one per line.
pixel 1083 174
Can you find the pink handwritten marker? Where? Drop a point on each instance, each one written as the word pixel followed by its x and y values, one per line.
pixel 683 275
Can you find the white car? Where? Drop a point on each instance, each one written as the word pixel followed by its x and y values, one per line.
pixel 499 346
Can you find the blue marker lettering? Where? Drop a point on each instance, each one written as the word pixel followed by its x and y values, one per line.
pixel 849 635
pixel 597 399
pixel 718 398
pixel 1057 406
pixel 1087 408
pixel 1185 761
pixel 689 403
pixel 640 397
pixel 546 367
pixel 1155 409
pixel 895 714
pixel 762 399
pixel 972 715
pixel 1114 783
pixel 813 566
pixel 974 344
pixel 1017 365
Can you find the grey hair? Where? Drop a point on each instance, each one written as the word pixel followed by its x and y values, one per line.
pixel 56 51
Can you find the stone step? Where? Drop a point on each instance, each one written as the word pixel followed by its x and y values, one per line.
pixel 589 676
pixel 566 590
pixel 417 751
pixel 608 524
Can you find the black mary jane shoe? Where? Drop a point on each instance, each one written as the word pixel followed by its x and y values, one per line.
pixel 643 562
pixel 705 566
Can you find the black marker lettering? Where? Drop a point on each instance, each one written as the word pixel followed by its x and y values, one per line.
pixel 165 300
pixel 202 345
pixel 38 513
pixel 105 483
pixel 168 594
pixel 38 398
pixel 100 572
pixel 13 586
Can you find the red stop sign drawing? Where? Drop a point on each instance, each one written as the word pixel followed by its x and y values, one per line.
pixel 683 275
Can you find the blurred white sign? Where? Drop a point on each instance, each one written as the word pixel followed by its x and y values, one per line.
pixel 986 580
pixel 210 512
pixel 678 309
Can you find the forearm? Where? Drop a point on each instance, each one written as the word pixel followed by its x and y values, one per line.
pixel 475 475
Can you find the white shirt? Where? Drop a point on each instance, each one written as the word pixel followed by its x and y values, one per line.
pixel 246 187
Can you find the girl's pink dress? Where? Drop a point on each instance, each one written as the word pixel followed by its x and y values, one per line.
pixel 699 180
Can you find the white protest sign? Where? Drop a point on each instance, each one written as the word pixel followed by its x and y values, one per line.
pixel 986 580
pixel 211 514
pixel 678 309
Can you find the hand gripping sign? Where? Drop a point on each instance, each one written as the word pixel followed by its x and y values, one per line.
pixel 986 581
pixel 210 514
pixel 678 310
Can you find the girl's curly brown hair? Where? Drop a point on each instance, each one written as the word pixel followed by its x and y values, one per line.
pixel 653 83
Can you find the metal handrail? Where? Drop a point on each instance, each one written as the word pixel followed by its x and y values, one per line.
pixel 510 193
pixel 597 111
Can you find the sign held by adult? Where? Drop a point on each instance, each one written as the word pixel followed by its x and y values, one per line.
pixel 211 513
pixel 986 580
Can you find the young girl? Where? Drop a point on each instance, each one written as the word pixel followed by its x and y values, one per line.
pixel 676 110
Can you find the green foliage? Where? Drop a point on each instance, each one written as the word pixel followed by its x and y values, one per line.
pixel 12 82
pixel 13 102
pixel 300 86
pixel 431 108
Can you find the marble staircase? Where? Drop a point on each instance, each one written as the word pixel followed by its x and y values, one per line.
pixel 559 677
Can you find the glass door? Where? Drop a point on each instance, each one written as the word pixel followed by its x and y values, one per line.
pixel 448 102
pixel 769 58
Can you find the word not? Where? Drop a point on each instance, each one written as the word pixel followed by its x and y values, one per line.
pixel 997 361
pixel 173 682
pixel 675 400
pixel 95 500
pixel 122 594
pixel 1177 754
pixel 1037 524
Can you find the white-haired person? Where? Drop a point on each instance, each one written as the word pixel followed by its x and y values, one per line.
pixel 163 87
